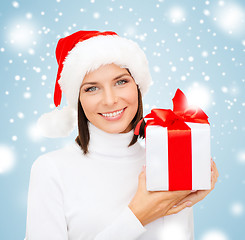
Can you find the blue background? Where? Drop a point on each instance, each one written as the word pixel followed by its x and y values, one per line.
pixel 197 46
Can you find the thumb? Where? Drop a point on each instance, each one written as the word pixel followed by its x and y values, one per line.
pixel 142 178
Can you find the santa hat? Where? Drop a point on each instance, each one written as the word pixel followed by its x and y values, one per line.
pixel 83 52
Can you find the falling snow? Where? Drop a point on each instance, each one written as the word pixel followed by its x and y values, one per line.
pixel 96 15
pixel 15 4
pixel 197 47
pixel 7 159
pixel 214 235
pixel 230 18
pixel 177 15
pixel 241 156
pixel 237 209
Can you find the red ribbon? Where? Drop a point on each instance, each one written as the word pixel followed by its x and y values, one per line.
pixel 179 142
pixel 186 112
pixel 181 110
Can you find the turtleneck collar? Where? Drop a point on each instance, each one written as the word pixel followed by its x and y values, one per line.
pixel 112 144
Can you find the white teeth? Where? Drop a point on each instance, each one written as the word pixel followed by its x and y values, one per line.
pixel 112 114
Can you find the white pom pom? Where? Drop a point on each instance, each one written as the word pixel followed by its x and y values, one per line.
pixel 58 123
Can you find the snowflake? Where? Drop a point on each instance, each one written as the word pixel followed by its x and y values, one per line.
pixel 156 69
pixel 177 14
pixel 7 159
pixel 15 4
pixel 241 156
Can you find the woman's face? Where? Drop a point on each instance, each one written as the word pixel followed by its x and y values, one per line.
pixel 109 98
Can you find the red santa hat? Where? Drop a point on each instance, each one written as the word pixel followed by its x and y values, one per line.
pixel 83 52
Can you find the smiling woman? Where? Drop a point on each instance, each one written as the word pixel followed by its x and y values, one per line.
pixel 112 103
pixel 95 188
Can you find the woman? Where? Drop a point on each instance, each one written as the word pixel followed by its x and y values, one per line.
pixel 95 188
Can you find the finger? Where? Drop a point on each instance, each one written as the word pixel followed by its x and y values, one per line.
pixel 213 180
pixel 192 197
pixel 216 170
pixel 181 193
pixel 214 167
pixel 212 164
pixel 215 174
pixel 178 208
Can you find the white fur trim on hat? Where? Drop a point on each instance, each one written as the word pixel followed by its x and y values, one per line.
pixel 90 54
pixel 85 57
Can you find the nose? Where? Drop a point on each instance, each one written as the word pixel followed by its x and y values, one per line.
pixel 110 97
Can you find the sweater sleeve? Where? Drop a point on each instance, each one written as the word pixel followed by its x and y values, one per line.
pixel 125 227
pixel 179 226
pixel 45 211
pixel 45 214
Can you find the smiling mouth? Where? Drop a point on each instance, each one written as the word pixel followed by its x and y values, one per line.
pixel 112 114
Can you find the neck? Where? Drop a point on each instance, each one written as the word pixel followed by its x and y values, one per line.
pixel 112 144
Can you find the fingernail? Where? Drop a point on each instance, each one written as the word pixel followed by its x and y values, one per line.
pixel 143 167
pixel 188 204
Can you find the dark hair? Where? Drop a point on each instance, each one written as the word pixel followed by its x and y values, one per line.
pixel 83 133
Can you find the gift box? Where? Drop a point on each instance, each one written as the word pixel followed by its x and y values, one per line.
pixel 177 147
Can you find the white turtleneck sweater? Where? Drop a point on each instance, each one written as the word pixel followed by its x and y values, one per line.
pixel 73 196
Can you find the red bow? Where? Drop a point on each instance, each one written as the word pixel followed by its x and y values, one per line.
pixel 188 113
pixel 175 119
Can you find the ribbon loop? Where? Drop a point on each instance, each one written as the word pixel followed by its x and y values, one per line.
pixel 175 119
pixel 188 113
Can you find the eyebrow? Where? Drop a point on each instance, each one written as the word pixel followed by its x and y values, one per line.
pixel 119 76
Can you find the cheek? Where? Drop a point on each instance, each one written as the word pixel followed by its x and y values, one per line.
pixel 133 95
pixel 88 105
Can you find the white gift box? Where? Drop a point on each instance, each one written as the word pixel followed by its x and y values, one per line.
pixel 157 158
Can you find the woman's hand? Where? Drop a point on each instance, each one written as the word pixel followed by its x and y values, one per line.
pixel 198 195
pixel 148 206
